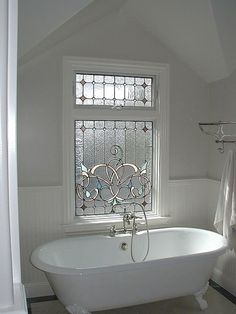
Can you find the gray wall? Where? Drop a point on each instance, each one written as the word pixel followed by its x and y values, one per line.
pixel 40 101
pixel 222 107
pixel 40 130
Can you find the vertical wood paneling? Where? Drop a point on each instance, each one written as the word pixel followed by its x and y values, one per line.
pixel 40 222
pixel 188 203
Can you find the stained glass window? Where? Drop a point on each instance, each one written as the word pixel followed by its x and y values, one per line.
pixel 113 90
pixel 113 165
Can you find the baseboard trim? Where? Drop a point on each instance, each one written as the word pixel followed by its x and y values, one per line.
pixel 225 282
pixel 19 306
pixel 38 289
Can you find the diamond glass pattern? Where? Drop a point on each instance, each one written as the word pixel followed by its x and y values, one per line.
pixel 113 90
pixel 107 145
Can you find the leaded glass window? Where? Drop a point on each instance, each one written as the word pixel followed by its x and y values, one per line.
pixel 113 90
pixel 113 165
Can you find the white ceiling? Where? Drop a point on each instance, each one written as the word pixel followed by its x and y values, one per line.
pixel 39 18
pixel 200 32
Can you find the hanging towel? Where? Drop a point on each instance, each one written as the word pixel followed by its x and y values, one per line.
pixel 225 217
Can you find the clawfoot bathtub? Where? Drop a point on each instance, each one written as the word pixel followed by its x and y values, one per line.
pixel 92 273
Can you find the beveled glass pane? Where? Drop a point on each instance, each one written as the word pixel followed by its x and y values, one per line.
pixel 109 102
pixel 88 101
pixel 99 124
pixel 130 144
pixel 112 147
pixel 98 90
pixel 88 90
pixel 120 125
pixel 98 102
pixel 109 79
pixel 109 124
pixel 129 80
pixel 119 80
pixel 139 103
pixel 109 91
pixel 88 78
pixel 119 103
pixel 139 93
pixel 139 125
pixel 78 101
pixel 98 78
pixel 88 148
pixel 99 146
pixel 148 93
pixel 129 92
pixel 119 92
pixel 130 125
pixel 139 80
pixel 129 103
pixel 148 81
pixel 79 90
pixel 88 124
pixel 78 77
pixel 124 91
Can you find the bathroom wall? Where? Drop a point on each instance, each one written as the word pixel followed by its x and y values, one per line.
pixel 40 133
pixel 40 101
pixel 41 217
pixel 222 107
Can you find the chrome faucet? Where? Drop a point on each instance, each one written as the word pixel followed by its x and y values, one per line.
pixel 112 231
pixel 127 218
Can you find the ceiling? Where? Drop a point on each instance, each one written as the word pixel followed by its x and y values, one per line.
pixel 39 18
pixel 200 32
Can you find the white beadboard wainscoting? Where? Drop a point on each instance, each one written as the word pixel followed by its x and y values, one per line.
pixel 191 203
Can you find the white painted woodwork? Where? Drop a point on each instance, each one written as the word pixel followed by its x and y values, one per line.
pixel 6 279
pixel 12 294
pixel 159 115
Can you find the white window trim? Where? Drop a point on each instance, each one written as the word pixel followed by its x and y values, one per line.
pixel 86 224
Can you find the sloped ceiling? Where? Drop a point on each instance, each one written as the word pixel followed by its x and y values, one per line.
pixel 200 32
pixel 39 18
pixel 89 13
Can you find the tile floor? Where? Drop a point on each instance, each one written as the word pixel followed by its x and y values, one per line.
pixel 218 304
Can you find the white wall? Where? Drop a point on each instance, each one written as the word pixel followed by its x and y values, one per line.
pixel 40 132
pixel 32 30
pixel 222 107
pixel 40 104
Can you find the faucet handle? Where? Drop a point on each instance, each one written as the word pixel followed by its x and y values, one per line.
pixel 134 216
pixel 112 231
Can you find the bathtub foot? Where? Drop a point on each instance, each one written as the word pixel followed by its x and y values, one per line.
pixel 76 309
pixel 199 297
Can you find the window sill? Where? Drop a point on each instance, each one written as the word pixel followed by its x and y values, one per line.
pixel 101 225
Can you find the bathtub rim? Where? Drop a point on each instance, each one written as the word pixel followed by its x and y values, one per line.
pixel 49 268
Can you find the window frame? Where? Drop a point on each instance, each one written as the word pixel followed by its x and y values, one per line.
pixel 159 114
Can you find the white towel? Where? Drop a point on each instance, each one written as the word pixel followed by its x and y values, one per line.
pixel 225 217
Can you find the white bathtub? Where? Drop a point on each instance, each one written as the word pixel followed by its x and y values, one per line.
pixel 93 273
